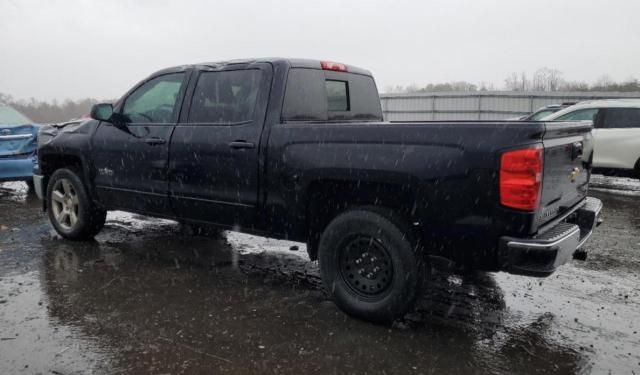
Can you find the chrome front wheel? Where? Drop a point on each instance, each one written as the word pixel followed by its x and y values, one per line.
pixel 71 211
pixel 65 204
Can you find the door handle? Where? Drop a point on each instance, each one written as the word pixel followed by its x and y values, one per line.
pixel 155 141
pixel 241 144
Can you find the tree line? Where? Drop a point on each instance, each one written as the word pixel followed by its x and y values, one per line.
pixel 543 79
pixel 50 112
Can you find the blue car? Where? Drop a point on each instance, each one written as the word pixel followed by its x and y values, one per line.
pixel 18 145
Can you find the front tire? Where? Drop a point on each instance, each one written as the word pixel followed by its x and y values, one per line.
pixel 71 212
pixel 369 264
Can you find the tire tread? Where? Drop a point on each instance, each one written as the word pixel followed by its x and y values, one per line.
pixel 392 227
pixel 95 216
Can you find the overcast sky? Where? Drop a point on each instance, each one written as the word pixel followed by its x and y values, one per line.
pixel 75 49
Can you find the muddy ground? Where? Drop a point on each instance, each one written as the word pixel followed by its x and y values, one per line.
pixel 149 298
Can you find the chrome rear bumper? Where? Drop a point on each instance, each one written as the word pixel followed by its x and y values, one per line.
pixel 543 254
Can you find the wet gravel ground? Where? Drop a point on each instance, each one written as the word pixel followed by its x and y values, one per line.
pixel 149 298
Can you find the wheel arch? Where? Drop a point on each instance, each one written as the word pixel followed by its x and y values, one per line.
pixel 329 198
pixel 49 163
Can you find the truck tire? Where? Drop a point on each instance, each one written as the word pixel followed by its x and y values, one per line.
pixel 71 212
pixel 369 265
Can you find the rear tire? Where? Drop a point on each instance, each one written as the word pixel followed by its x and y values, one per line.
pixel 369 264
pixel 71 212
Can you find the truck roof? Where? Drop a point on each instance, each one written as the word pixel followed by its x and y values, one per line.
pixel 288 62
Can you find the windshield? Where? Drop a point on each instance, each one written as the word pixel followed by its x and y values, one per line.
pixel 9 116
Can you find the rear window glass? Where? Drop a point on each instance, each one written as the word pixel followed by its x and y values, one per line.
pixel 622 118
pixel 337 95
pixel 365 102
pixel 317 95
pixel 225 97
pixel 540 114
pixel 305 98
pixel 579 115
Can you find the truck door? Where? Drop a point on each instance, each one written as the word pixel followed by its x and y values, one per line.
pixel 130 160
pixel 214 153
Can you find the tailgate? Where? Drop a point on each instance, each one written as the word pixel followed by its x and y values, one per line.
pixel 567 147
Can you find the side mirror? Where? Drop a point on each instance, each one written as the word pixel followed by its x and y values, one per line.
pixel 102 112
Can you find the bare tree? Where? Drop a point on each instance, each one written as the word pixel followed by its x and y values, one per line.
pixel 515 82
pixel 524 82
pixel 539 80
pixel 603 82
pixel 573 86
pixel 412 88
pixel 547 79
pixel 512 82
pixel 486 86
pixel 554 78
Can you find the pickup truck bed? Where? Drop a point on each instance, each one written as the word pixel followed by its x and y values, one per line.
pixel 297 149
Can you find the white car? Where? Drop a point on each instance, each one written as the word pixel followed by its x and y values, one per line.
pixel 616 132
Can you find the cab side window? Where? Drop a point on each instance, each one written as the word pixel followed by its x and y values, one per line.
pixel 580 115
pixel 154 101
pixel 621 118
pixel 225 97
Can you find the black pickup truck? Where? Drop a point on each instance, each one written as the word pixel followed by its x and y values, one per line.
pixel 297 149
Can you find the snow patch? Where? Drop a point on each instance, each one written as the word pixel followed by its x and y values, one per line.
pixel 244 243
pixel 615 183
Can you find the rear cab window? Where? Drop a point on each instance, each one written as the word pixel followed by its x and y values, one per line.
pixel 319 95
pixel 337 95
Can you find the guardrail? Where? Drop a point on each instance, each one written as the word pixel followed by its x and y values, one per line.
pixel 483 105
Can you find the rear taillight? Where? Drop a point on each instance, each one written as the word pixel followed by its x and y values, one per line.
pixel 521 178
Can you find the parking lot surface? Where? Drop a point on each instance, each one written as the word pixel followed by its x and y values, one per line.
pixel 148 297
